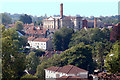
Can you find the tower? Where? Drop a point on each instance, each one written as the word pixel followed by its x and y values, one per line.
pixel 61 10
pixel 95 22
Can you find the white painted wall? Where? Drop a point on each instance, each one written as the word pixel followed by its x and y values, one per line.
pixel 52 74
pixel 38 45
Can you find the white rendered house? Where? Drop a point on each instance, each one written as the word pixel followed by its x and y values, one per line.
pixel 40 43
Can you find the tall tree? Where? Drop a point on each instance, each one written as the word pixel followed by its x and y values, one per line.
pixel 5 19
pixel 33 61
pixel 62 38
pixel 19 25
pixel 26 19
pixel 112 62
pixel 13 61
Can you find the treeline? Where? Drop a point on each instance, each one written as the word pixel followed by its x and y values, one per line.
pixel 7 18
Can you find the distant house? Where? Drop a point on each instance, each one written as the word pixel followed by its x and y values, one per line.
pixel 40 43
pixel 65 71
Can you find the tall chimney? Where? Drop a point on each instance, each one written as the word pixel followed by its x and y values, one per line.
pixel 95 22
pixel 61 10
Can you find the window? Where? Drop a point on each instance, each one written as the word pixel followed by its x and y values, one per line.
pixel 29 31
pixel 37 46
pixel 36 32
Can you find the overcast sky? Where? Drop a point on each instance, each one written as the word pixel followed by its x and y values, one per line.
pixel 52 7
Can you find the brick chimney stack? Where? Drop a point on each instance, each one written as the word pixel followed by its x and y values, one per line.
pixel 95 22
pixel 61 10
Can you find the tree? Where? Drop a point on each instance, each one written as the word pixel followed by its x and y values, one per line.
pixel 112 61
pixel 19 25
pixel 33 61
pixel 26 19
pixel 5 19
pixel 99 52
pixel 90 36
pixel 39 52
pixel 62 38
pixel 13 61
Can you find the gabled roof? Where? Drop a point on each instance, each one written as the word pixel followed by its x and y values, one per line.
pixel 41 39
pixel 69 69
pixel 38 39
pixel 53 68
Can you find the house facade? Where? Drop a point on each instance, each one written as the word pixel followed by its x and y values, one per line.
pixel 69 70
pixel 40 43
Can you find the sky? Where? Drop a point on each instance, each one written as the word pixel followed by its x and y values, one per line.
pixel 52 7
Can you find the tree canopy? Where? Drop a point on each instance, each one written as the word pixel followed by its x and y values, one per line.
pixel 19 25
pixel 33 61
pixel 13 61
pixel 5 19
pixel 25 19
pixel 112 61
pixel 90 36
pixel 62 38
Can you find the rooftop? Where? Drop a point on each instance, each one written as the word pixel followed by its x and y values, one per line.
pixel 69 69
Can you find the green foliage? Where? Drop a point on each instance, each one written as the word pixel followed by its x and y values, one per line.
pixel 39 52
pixel 33 61
pixel 28 76
pixel 19 25
pixel 2 28
pixel 112 62
pixel 62 38
pixel 100 50
pixel 5 19
pixel 79 55
pixel 13 62
pixel 98 39
pixel 90 36
pixel 17 41
pixel 26 19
